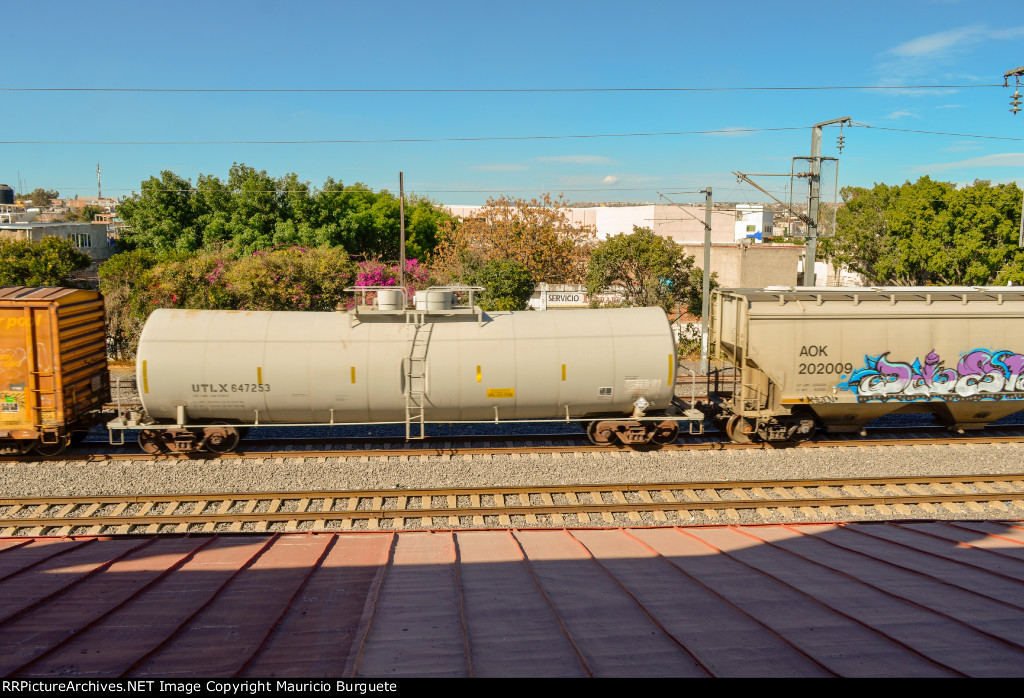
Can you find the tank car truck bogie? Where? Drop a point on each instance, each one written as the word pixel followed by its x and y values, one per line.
pixel 632 432
pixel 839 358
pixel 217 438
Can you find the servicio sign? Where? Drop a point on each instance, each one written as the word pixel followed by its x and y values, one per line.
pixel 566 299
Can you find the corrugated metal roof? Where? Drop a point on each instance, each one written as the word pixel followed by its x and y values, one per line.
pixel 36 294
pixel 859 599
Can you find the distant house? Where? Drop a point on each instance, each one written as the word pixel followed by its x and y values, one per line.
pixel 93 239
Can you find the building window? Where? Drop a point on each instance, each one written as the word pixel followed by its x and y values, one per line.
pixel 81 239
pixel 751 228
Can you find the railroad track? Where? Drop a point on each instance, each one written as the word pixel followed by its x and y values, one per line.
pixel 668 504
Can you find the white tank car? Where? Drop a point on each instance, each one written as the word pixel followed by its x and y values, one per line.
pixel 381 365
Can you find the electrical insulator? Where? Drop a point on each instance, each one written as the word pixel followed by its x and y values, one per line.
pixel 840 141
pixel 1015 102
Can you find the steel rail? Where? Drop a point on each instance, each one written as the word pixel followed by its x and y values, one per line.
pixel 215 510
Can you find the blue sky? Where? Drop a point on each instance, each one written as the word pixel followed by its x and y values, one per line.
pixel 608 69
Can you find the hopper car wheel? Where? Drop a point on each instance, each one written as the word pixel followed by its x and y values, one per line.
pixel 738 429
pixel 805 432
pixel 51 449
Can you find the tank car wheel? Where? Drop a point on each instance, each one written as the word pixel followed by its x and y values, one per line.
pixel 598 437
pixel 666 433
pixel 738 429
pixel 51 449
pixel 150 441
pixel 221 439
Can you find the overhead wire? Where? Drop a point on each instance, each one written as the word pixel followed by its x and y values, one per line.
pixel 326 141
pixel 470 90
pixel 934 133
pixel 413 140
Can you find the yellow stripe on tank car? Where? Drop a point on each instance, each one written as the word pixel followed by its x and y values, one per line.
pixel 353 375
pixel 477 374
pixel 671 366
pixel 563 372
pixel 145 379
pixel 259 374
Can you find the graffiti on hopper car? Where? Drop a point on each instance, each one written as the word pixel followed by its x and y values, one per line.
pixel 980 374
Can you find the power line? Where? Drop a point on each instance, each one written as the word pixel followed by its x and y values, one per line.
pixel 413 140
pixel 446 90
pixel 936 133
pixel 498 138
pixel 313 190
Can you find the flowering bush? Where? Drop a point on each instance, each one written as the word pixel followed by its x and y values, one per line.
pixel 374 272
pixel 293 278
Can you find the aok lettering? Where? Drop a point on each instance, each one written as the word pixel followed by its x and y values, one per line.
pixel 814 350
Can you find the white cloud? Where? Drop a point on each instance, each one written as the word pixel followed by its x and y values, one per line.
pixel 578 159
pixel 960 146
pixel 899 113
pixel 941 42
pixel 610 179
pixel 939 57
pixel 995 160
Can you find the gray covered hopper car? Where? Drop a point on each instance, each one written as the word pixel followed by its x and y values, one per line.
pixel 841 357
pixel 385 364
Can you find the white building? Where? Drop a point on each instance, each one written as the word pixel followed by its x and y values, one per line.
pixel 681 223
pixel 752 221
pixel 91 238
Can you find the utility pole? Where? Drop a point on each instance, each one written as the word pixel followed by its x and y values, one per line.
pixel 1015 99
pixel 1014 108
pixel 99 184
pixel 705 304
pixel 401 227
pixel 815 195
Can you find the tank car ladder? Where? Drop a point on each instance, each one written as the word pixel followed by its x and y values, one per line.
pixel 416 382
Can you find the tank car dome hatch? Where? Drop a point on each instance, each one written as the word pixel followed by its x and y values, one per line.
pixel 391 299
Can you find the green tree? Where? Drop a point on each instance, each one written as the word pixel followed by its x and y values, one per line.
pixel 289 279
pixel 538 234
pixel 139 281
pixel 125 279
pixel 49 262
pixel 929 233
pixel 40 198
pixel 508 285
pixel 85 215
pixel 647 270
pixel 253 211
pixel 162 217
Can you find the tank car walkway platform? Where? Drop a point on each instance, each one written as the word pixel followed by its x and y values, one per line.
pixel 857 600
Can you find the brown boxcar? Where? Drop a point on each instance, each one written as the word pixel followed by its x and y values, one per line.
pixel 53 366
